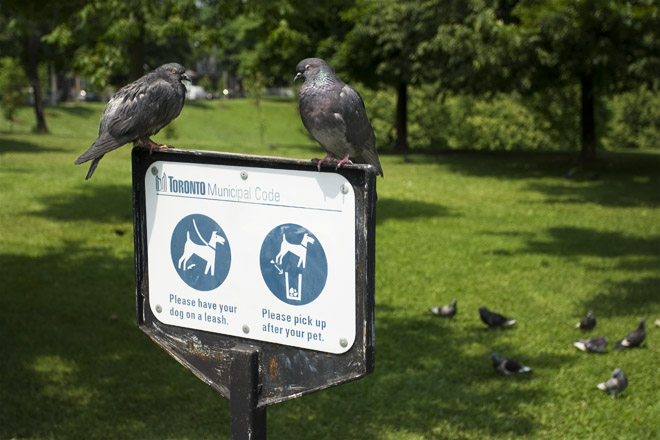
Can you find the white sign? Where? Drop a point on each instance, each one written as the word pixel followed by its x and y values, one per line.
pixel 260 253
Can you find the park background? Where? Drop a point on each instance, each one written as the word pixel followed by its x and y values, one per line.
pixel 521 146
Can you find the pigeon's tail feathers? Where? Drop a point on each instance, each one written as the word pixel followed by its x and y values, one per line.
pixel 578 325
pixel 525 369
pixel 434 310
pixel 371 157
pixel 508 322
pixel 581 345
pixel 623 343
pixel 102 145
pixel 602 386
pixel 92 167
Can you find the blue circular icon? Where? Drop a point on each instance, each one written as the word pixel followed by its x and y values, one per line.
pixel 200 252
pixel 293 264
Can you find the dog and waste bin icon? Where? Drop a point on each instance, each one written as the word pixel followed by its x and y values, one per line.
pixel 292 260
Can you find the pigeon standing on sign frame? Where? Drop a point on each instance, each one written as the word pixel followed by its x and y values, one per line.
pixel 334 114
pixel 137 111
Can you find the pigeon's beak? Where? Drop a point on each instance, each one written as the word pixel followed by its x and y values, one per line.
pixel 298 76
pixel 185 77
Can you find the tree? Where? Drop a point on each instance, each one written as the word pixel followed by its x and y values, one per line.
pixel 457 45
pixel 380 49
pixel 119 40
pixel 11 87
pixel 601 46
pixel 27 23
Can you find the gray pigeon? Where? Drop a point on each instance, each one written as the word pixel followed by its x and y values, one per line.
pixel 593 345
pixel 588 322
pixel 446 311
pixel 137 111
pixel 333 112
pixel 633 339
pixel 507 366
pixel 494 320
pixel 615 384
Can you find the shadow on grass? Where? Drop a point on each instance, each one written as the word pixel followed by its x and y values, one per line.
pixel 628 298
pixel 423 382
pixel 79 110
pixel 75 365
pixel 574 241
pixel 16 146
pixel 617 179
pixel 109 203
pixel 394 209
pixel 615 191
pixel 640 253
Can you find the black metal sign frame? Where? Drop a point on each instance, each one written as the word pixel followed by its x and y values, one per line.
pixel 254 374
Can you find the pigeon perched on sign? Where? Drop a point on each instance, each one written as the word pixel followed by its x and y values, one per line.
pixel 615 384
pixel 137 111
pixel 588 322
pixel 334 114
pixel 494 320
pixel 633 339
pixel 593 345
pixel 446 311
pixel 507 366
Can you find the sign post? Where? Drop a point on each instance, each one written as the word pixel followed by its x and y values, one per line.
pixel 256 273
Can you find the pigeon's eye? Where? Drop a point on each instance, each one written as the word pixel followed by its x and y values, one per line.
pixel 307 67
pixel 173 70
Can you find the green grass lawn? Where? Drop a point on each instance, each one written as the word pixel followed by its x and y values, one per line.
pixel 504 231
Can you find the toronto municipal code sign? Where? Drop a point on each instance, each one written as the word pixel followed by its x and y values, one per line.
pixel 260 253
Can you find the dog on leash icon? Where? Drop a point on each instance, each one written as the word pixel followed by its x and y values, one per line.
pixel 293 264
pixel 200 252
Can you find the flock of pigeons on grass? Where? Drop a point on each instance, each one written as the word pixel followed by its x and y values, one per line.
pixel 503 365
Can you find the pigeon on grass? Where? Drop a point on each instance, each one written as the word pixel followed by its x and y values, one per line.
pixel 137 111
pixel 334 114
pixel 494 320
pixel 506 366
pixel 634 338
pixel 446 311
pixel 615 384
pixel 588 322
pixel 593 345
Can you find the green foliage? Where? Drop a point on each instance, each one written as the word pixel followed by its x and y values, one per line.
pixel 207 84
pixel 466 122
pixel 501 230
pixel 636 120
pixel 12 85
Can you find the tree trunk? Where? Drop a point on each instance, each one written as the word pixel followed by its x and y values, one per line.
pixel 32 71
pixel 136 51
pixel 588 123
pixel 402 118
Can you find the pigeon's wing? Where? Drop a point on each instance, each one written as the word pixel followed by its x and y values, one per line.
pixel 513 366
pixel 359 132
pixel 358 127
pixel 636 337
pixel 140 109
pixel 496 319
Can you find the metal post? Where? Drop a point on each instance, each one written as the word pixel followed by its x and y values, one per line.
pixel 247 421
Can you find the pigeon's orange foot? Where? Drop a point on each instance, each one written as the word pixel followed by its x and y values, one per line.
pixel 328 158
pixel 345 160
pixel 154 146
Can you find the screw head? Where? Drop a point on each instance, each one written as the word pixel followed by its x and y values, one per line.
pixel 343 342
pixel 154 171
pixel 246 329
pixel 344 188
pixel 244 175
pixel 159 308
